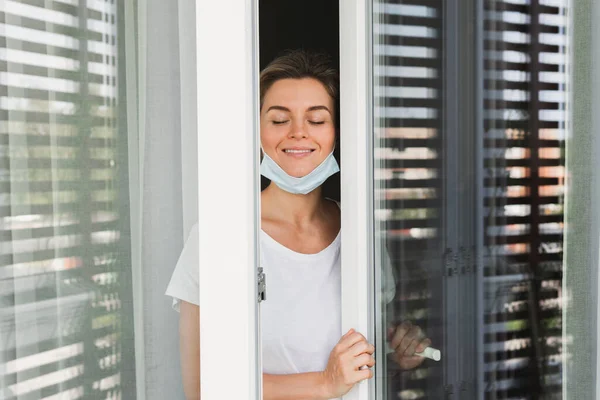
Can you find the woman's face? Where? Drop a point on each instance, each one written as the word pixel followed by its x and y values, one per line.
pixel 297 125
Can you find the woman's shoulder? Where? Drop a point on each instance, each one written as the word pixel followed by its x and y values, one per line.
pixel 184 283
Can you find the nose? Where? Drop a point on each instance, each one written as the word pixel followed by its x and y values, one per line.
pixel 297 130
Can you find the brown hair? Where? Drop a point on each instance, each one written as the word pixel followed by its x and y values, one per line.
pixel 298 64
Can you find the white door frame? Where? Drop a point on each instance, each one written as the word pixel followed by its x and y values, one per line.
pixel 228 268
pixel 227 82
pixel 357 174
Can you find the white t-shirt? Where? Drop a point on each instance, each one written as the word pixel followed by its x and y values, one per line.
pixel 301 318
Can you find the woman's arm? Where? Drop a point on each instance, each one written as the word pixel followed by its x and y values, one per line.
pixel 189 349
pixel 306 386
pixel 275 387
pixel 342 372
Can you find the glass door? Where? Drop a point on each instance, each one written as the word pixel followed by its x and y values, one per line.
pixel 227 65
pixel 391 220
pixel 455 116
pixel 417 196
pixel 414 201
pixel 469 136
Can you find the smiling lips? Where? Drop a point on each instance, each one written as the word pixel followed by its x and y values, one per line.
pixel 298 152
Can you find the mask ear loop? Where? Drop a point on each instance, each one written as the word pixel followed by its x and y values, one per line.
pixel 335 143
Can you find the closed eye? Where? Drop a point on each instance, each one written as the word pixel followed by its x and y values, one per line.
pixel 316 122
pixel 279 122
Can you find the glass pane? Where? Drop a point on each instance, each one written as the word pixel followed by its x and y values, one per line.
pixel 66 315
pixel 469 180
pixel 409 173
pixel 524 102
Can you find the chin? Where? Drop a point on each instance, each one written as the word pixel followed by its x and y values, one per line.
pixel 297 172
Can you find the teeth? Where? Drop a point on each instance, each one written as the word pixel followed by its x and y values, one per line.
pixel 298 151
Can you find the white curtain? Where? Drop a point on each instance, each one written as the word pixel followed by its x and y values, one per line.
pixel 167 186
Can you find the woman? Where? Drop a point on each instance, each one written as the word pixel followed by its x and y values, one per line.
pixel 305 355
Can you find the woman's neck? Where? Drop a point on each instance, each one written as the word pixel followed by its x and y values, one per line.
pixel 296 209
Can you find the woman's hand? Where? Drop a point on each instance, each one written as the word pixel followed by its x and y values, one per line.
pixel 407 339
pixel 349 354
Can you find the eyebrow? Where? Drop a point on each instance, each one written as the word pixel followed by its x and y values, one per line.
pixel 313 108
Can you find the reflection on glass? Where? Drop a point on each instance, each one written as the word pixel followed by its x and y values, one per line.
pixel 65 287
pixel 469 130
pixel 524 132
pixel 408 185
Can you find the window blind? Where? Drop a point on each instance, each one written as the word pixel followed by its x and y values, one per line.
pixel 408 73
pixel 522 189
pixel 524 103
pixel 64 259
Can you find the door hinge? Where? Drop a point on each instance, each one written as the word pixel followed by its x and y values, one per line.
pixel 262 285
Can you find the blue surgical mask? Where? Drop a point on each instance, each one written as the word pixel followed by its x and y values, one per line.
pixel 304 185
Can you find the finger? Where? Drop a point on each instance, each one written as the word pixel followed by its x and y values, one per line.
pixel 364 374
pixel 344 337
pixel 351 340
pixel 390 333
pixel 413 334
pixel 363 359
pixel 401 331
pixel 362 347
pixel 425 343
pixel 410 350
pixel 417 335
pixel 340 347
pixel 413 362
